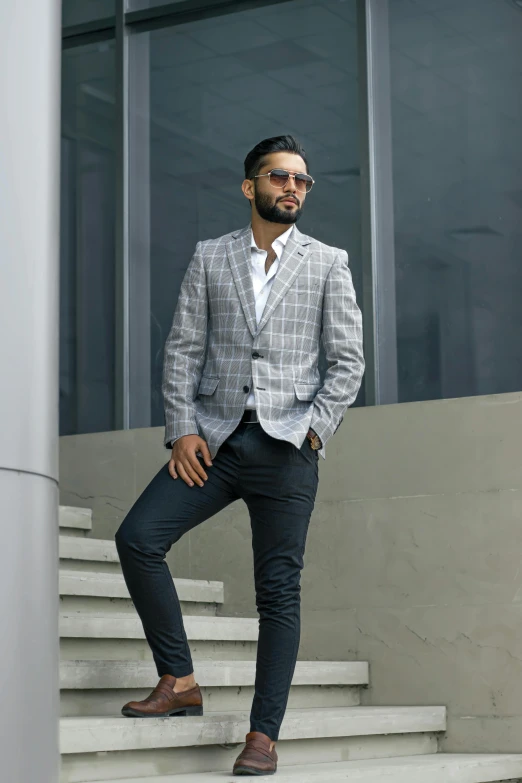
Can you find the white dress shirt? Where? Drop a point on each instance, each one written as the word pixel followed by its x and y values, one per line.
pixel 262 282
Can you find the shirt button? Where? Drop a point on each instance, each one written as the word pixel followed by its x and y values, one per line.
pixel 246 389
pixel 255 355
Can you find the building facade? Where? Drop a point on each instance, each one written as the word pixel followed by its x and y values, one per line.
pixel 410 112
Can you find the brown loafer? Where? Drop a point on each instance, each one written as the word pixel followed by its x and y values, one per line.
pixel 258 757
pixel 163 702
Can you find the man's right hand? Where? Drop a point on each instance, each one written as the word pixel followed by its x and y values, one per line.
pixel 185 463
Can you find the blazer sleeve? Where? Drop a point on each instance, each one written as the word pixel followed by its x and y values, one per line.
pixel 184 352
pixel 342 338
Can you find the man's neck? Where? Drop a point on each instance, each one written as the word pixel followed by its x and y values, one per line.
pixel 265 232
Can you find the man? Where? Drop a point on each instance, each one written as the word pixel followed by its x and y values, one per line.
pixel 246 417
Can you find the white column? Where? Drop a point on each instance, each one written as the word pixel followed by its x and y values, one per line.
pixel 29 223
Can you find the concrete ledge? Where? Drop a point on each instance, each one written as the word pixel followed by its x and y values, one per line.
pixel 104 585
pixel 97 550
pixel 74 517
pixel 92 735
pixel 83 675
pixel 439 768
pixel 123 626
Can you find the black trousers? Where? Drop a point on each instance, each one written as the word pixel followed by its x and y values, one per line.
pixel 278 483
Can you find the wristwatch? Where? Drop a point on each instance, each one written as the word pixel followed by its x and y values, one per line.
pixel 315 440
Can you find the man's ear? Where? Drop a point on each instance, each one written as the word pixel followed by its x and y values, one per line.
pixel 248 189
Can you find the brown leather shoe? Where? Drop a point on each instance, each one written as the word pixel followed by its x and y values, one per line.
pixel 258 757
pixel 163 702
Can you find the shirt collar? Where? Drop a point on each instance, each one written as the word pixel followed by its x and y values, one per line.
pixel 280 241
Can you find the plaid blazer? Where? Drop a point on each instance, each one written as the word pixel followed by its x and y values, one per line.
pixel 215 352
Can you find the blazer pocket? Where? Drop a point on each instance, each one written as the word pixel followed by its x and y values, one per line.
pixel 306 391
pixel 208 384
pixel 304 292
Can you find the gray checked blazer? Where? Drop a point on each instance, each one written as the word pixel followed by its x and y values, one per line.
pixel 215 352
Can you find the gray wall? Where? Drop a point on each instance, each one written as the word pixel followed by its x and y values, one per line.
pixel 413 558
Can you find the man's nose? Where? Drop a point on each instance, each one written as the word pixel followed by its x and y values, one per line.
pixel 290 185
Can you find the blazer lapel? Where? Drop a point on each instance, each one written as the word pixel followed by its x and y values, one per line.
pixel 239 257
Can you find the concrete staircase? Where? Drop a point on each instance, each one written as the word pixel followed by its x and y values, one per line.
pixel 326 734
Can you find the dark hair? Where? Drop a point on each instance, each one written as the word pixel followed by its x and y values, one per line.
pixel 255 158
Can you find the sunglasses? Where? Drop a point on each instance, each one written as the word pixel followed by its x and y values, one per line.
pixel 279 177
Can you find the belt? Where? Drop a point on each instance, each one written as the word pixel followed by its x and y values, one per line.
pixel 249 416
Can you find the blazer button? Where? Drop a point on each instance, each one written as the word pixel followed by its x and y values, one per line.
pixel 246 389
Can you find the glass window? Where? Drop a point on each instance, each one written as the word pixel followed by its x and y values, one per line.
pixel 87 240
pixel 212 89
pixel 457 160
pixel 80 11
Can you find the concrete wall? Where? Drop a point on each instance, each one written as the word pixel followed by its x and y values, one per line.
pixel 413 559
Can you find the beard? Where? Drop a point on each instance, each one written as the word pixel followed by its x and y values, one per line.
pixel 269 210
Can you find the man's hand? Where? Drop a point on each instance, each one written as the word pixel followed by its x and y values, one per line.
pixel 311 433
pixel 184 462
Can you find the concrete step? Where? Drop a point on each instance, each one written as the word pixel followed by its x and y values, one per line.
pixel 107 606
pixel 94 735
pixel 87 675
pixel 435 768
pixel 119 636
pixel 89 554
pixel 100 688
pixel 106 593
pixel 98 748
pixel 103 585
pixel 109 649
pixel 155 747
pixel 74 520
pixel 119 625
